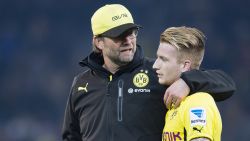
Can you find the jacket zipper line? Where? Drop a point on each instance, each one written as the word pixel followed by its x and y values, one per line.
pixel 120 100
pixel 108 113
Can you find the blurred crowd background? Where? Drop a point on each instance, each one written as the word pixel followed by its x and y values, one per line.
pixel 42 41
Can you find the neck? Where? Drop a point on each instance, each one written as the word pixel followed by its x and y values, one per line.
pixel 110 66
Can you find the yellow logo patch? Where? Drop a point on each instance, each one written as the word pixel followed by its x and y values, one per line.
pixel 141 79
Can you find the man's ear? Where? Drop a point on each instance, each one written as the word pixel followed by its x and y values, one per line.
pixel 98 42
pixel 186 66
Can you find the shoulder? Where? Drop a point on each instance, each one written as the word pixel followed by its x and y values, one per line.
pixel 83 73
pixel 81 77
pixel 198 100
pixel 200 97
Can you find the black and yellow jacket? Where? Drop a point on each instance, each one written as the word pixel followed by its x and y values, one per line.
pixel 127 105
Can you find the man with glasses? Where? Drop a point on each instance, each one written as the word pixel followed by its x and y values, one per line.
pixel 118 97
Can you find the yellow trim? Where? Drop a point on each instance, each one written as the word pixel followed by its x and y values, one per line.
pixel 110 78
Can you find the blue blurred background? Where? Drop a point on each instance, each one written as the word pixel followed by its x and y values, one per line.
pixel 41 42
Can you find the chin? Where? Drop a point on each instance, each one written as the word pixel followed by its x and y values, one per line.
pixel 161 82
pixel 127 59
pixel 164 82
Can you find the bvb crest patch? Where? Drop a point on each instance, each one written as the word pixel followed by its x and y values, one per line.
pixel 141 79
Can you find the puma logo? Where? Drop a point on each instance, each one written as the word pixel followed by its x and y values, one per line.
pixel 199 130
pixel 83 88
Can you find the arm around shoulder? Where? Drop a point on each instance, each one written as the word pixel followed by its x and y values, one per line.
pixel 216 82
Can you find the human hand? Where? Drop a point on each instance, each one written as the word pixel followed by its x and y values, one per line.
pixel 175 93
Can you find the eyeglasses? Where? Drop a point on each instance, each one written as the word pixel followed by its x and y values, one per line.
pixel 131 34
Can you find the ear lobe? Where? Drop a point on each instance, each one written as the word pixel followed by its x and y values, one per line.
pixel 186 65
pixel 98 42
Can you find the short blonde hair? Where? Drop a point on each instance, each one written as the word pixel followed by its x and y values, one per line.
pixel 190 43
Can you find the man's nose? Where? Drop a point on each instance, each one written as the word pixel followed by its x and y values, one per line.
pixel 155 65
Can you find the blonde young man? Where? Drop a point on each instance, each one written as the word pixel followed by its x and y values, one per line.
pixel 181 49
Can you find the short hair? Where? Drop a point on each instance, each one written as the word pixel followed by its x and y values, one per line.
pixel 190 43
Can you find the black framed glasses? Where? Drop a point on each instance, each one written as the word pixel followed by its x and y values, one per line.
pixel 130 33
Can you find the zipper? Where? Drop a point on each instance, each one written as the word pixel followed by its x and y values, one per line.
pixel 120 100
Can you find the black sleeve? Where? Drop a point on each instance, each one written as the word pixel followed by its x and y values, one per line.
pixel 70 129
pixel 215 82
